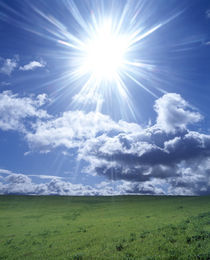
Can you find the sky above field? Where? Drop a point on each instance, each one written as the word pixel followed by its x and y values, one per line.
pixel 105 97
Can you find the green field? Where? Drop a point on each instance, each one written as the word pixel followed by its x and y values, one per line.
pixel 124 227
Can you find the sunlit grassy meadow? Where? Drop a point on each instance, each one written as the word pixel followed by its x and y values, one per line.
pixel 124 227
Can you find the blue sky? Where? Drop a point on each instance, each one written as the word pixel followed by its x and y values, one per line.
pixel 104 97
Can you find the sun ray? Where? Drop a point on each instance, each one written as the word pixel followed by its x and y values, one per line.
pixel 102 45
pixel 140 84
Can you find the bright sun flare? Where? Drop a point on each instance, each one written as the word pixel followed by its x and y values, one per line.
pixel 104 54
pixel 103 57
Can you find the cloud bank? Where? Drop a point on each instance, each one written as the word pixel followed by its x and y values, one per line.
pixel 164 158
pixel 17 183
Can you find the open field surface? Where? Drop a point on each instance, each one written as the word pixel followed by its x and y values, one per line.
pixel 124 227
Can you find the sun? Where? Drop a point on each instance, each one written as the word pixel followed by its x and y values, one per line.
pixel 103 59
pixel 104 54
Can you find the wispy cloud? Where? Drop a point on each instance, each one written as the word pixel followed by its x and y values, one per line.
pixel 5 83
pixel 33 65
pixel 4 171
pixel 8 65
pixel 208 13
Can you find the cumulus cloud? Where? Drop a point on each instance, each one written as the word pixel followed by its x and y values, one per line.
pixel 164 158
pixel 33 65
pixel 14 110
pixel 73 128
pixel 181 161
pixel 8 65
pixel 128 152
pixel 174 112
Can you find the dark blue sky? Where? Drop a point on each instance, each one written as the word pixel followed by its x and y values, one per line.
pixel 99 135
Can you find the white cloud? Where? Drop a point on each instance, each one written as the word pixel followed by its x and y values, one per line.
pixel 146 188
pixel 8 65
pixel 125 151
pixel 3 171
pixel 174 113
pixel 14 109
pixel 166 157
pixel 33 65
pixel 191 181
pixel 72 129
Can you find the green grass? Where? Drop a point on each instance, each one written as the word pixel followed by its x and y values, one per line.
pixel 124 227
